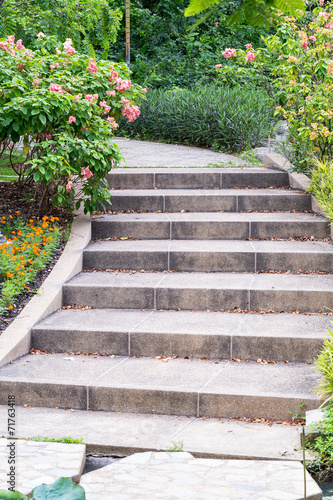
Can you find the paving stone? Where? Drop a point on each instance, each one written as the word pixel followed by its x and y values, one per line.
pixel 40 462
pixel 188 477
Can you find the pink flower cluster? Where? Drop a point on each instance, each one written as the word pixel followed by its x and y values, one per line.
pixel 35 82
pixel 69 185
pixel 123 84
pixel 304 43
pixel 324 14
pixel 111 92
pixel 112 122
pixel 92 67
pixel 250 56
pixel 92 98
pixel 104 105
pixel 86 173
pixel 218 65
pixel 11 39
pixel 68 46
pixel 329 26
pixel 4 45
pixel 229 53
pixel 41 35
pixel 19 45
pixel 56 65
pixel 56 88
pixel 71 119
pixel 248 46
pixel 113 74
pixel 131 113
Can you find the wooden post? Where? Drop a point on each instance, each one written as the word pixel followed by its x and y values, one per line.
pixel 128 43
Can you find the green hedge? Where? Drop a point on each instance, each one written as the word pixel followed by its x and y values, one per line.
pixel 225 119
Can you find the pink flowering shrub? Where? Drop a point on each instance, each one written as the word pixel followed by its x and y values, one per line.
pixel 299 57
pixel 63 111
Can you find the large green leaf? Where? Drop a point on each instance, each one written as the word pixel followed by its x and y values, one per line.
pixel 197 6
pixel 12 495
pixel 62 489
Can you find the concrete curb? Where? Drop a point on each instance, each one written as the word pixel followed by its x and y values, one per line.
pixel 296 181
pixel 15 341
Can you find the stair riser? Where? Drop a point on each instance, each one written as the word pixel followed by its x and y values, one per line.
pixel 167 402
pixel 210 203
pixel 167 344
pixel 207 261
pixel 186 230
pixel 197 299
pixel 186 180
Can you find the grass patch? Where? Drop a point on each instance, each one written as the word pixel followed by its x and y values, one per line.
pixel 322 185
pixel 221 119
pixel 7 173
pixel 26 250
pixel 67 439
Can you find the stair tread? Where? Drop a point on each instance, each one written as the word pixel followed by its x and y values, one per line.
pixel 197 280
pixel 211 217
pixel 203 246
pixel 207 192
pixel 204 437
pixel 194 170
pixel 187 322
pixel 176 375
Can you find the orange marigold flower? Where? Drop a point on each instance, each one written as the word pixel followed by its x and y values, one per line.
pixel 10 275
pixel 10 307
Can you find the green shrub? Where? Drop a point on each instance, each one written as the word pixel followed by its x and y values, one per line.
pixel 219 118
pixel 321 466
pixel 322 185
pixel 324 363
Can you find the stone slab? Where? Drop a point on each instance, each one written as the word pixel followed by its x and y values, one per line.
pixel 200 291
pixel 128 433
pixel 206 225
pixel 210 255
pixel 186 387
pixel 180 475
pixel 40 462
pixel 208 200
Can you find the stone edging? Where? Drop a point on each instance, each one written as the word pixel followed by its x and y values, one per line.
pixel 296 181
pixel 15 341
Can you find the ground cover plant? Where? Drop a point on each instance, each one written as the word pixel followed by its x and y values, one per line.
pixel 322 185
pixel 219 118
pixel 321 447
pixel 59 107
pixel 25 251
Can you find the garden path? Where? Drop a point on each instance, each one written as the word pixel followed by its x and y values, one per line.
pixel 203 288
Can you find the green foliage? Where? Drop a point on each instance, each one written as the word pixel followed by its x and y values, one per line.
pixel 255 12
pixel 12 495
pixel 218 118
pixel 321 466
pixel 56 103
pixel 324 364
pixel 89 23
pixel 322 185
pixel 62 489
pixel 67 439
pixel 164 54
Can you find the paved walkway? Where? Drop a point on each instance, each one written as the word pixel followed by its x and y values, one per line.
pixel 157 154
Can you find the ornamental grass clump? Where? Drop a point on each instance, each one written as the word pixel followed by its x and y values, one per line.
pixel 226 119
pixel 61 108
pixel 26 250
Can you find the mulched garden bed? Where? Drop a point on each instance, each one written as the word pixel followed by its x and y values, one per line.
pixel 12 201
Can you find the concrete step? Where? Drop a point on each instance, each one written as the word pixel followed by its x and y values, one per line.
pixel 192 178
pixel 279 337
pixel 202 291
pixel 186 387
pixel 211 255
pixel 210 226
pixel 128 433
pixel 209 200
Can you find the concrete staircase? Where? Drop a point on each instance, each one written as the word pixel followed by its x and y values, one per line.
pixel 202 295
